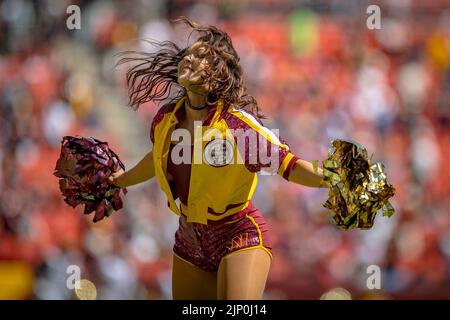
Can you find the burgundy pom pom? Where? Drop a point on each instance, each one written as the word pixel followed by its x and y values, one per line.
pixel 83 167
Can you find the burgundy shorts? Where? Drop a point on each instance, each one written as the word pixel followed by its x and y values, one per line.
pixel 205 245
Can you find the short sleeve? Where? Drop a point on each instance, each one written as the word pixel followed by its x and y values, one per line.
pixel 287 161
pixel 260 148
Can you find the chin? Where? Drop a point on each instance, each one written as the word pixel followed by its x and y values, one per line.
pixel 184 82
pixel 190 85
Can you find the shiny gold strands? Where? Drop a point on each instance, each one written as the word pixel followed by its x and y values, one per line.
pixel 357 188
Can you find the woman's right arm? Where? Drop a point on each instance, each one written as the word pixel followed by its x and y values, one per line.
pixel 143 171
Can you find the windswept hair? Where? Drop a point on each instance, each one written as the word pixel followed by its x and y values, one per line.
pixel 154 75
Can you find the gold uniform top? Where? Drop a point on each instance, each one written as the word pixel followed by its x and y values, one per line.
pixel 230 146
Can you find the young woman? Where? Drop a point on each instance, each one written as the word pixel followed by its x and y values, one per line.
pixel 222 247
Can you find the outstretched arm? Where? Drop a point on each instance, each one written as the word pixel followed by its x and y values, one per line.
pixel 141 172
pixel 303 173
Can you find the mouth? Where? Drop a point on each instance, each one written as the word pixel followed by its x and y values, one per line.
pixel 187 67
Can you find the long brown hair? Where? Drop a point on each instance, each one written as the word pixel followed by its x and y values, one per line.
pixel 154 75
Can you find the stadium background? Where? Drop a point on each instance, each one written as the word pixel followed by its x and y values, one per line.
pixel 316 70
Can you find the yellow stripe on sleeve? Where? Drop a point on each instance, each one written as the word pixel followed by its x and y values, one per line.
pixel 255 125
pixel 285 163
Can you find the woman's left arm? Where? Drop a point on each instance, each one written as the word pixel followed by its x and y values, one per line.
pixel 303 173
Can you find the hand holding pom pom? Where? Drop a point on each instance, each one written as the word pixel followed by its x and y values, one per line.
pixel 358 188
pixel 86 168
pixel 113 177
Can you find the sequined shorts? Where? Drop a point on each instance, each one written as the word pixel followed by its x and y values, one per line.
pixel 205 245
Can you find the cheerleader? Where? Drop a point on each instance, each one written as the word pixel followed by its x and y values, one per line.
pixel 222 246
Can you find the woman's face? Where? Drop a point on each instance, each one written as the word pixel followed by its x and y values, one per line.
pixel 192 69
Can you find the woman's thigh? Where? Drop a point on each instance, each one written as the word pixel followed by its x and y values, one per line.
pixel 243 274
pixel 192 283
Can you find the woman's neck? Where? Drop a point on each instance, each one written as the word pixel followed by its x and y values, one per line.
pixel 195 105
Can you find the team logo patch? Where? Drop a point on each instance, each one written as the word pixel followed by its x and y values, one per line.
pixel 219 152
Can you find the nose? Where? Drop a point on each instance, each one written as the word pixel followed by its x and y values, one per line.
pixel 189 57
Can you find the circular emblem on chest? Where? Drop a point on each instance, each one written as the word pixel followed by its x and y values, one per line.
pixel 218 152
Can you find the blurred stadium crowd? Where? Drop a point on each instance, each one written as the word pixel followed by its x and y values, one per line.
pixel 316 70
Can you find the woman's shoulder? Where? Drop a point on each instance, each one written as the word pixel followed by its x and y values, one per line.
pixel 159 116
pixel 166 108
pixel 237 117
pixel 162 111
